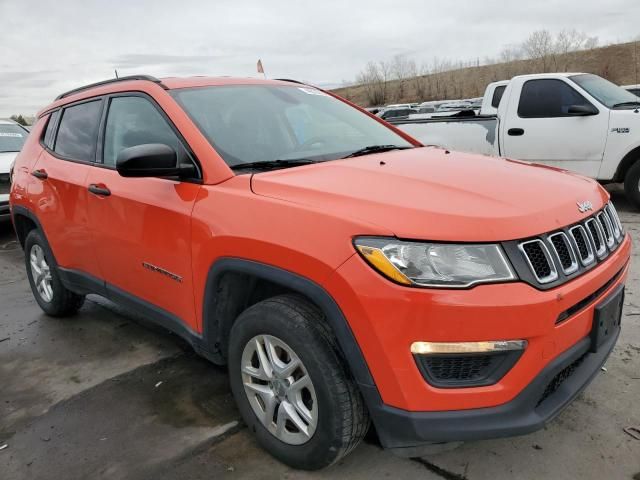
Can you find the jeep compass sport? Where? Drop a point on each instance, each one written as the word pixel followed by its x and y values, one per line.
pixel 346 274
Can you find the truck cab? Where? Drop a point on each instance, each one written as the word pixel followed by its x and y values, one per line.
pixel 575 121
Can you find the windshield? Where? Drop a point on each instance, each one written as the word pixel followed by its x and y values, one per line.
pixel 607 93
pixel 12 137
pixel 262 123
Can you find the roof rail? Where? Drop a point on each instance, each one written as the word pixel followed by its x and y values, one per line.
pixel 289 80
pixel 112 80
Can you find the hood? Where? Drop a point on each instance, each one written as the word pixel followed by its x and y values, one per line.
pixel 5 161
pixel 429 194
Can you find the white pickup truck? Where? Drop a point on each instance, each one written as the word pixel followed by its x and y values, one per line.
pixel 575 121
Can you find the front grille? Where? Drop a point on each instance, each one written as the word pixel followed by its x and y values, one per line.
pixel 575 249
pixel 559 379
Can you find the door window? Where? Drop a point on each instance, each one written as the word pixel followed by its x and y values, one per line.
pixel 135 121
pixel 548 98
pixel 78 131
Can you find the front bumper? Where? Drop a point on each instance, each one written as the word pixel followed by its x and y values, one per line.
pixel 529 411
pixel 387 318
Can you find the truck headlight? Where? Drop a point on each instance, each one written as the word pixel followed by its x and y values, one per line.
pixel 443 265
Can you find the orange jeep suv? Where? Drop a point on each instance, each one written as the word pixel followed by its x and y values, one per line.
pixel 345 273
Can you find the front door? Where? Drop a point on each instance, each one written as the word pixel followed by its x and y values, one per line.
pixel 540 128
pixel 142 226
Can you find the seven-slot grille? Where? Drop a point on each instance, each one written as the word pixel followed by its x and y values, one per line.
pixel 564 251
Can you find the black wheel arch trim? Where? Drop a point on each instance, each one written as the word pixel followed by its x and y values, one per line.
pixel 25 212
pixel 297 283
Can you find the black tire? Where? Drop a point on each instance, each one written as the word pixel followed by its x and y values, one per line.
pixel 342 416
pixel 63 303
pixel 632 184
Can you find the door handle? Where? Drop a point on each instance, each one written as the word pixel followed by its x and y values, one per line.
pixel 41 174
pixel 516 132
pixel 100 190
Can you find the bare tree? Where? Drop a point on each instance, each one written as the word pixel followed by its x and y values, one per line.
pixel 401 72
pixel 540 47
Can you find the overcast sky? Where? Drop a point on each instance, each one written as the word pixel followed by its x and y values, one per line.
pixel 47 47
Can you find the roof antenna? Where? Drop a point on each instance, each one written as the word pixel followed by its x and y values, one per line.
pixel 116 73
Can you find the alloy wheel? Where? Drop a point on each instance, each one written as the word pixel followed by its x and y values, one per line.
pixel 279 389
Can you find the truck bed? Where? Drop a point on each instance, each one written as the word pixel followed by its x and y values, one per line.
pixel 477 134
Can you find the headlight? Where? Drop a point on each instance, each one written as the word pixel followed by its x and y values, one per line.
pixel 441 265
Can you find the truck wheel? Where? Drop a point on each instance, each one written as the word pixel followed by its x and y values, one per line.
pixel 632 184
pixel 54 299
pixel 292 386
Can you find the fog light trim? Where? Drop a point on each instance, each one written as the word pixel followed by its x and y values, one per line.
pixel 435 348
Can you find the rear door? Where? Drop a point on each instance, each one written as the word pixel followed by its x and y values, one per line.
pixel 142 226
pixel 60 190
pixel 539 127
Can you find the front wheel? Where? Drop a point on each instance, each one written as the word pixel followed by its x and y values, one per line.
pixel 292 386
pixel 632 184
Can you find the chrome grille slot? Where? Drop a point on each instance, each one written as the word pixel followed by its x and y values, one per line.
pixel 563 249
pixel 615 221
pixel 583 245
pixel 597 236
pixel 539 260
pixel 607 229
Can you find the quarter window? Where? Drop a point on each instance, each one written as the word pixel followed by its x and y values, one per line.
pixel 50 132
pixel 547 98
pixel 78 131
pixel 135 121
pixel 497 96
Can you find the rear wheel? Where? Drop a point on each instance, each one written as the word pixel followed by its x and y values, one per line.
pixel 292 386
pixel 632 184
pixel 48 290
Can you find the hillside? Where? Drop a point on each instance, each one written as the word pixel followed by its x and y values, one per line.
pixel 619 63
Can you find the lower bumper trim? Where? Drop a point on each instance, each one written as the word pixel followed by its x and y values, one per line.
pixel 526 413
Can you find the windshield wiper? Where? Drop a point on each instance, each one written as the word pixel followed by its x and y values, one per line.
pixel 624 104
pixel 269 164
pixel 375 149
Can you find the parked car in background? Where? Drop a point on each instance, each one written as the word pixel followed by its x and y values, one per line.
pixel 396 112
pixel 398 105
pixel 12 138
pixel 635 89
pixel 455 106
pixel 344 273
pixel 576 121
pixel 426 109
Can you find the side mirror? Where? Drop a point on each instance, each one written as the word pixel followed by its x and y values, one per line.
pixel 151 160
pixel 582 110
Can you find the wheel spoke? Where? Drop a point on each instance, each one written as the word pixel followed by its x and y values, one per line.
pixel 291 414
pixel 265 364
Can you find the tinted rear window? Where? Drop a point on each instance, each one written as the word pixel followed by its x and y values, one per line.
pixel 497 96
pixel 78 131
